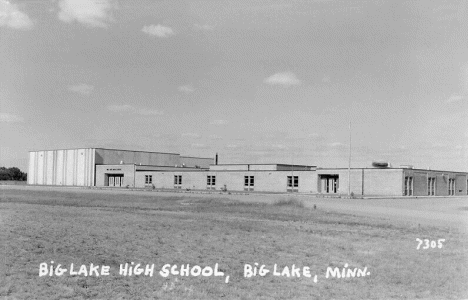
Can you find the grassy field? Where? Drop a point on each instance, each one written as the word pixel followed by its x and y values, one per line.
pixel 112 229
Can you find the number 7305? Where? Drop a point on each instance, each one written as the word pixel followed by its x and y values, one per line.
pixel 430 244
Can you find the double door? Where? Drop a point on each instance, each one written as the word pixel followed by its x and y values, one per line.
pixel 329 184
pixel 116 180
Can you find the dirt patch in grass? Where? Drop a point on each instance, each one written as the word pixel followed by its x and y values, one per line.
pixel 84 228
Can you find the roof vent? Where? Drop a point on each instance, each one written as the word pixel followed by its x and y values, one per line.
pixel 380 164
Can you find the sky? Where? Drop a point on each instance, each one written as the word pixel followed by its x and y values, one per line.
pixel 255 81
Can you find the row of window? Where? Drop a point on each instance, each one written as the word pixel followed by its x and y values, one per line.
pixel 293 183
pixel 431 184
pixel 408 191
pixel 249 181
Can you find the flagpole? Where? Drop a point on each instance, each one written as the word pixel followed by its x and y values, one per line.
pixel 349 162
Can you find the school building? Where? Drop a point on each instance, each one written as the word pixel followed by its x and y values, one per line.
pixel 100 167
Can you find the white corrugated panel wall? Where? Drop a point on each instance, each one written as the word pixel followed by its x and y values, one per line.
pixel 59 180
pixel 74 167
pixel 32 168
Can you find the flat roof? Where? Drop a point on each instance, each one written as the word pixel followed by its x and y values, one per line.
pixel 268 164
pixel 141 165
pixel 138 151
pixel 174 170
pixel 390 168
pixel 105 149
pixel 318 169
pixel 197 157
pixel 173 153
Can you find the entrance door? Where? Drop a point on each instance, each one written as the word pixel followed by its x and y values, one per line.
pixel 116 180
pixel 329 184
pixel 333 184
pixel 324 185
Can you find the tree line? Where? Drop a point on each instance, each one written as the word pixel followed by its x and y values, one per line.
pixel 12 173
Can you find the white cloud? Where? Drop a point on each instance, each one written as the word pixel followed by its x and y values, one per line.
pixel 125 108
pixel 232 146
pixel 158 30
pixel 93 13
pixel 439 145
pixel 279 146
pixel 9 118
pixel 455 98
pixel 121 108
pixel 286 79
pixel 12 17
pixel 215 137
pixel 205 27
pixel 326 79
pixel 146 112
pixel 281 6
pixel 259 153
pixel 186 88
pixel 198 146
pixel 191 135
pixel 218 122
pixel 83 89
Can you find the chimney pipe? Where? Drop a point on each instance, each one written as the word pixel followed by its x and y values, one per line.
pixel 216 159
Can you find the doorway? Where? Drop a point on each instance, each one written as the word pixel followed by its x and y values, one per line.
pixel 115 180
pixel 329 184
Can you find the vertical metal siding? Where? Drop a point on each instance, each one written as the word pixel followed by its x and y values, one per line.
pixel 49 170
pixel 62 167
pixel 93 169
pixel 40 167
pixel 59 179
pixel 80 164
pixel 69 166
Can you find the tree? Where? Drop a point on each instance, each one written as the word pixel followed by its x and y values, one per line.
pixel 4 174
pixel 15 173
pixel 12 173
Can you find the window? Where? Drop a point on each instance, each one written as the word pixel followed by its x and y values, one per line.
pixel 431 186
pixel 248 183
pixel 211 182
pixel 408 186
pixel 451 186
pixel 177 181
pixel 293 183
pixel 148 179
